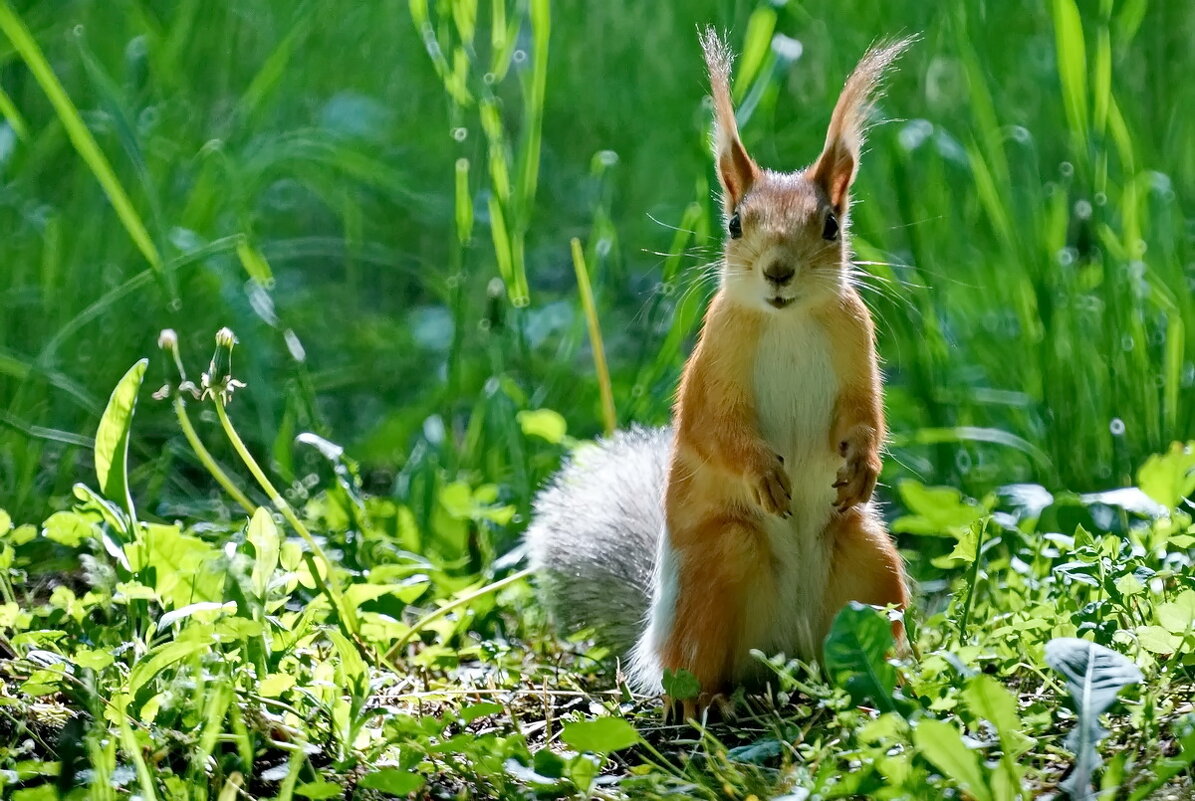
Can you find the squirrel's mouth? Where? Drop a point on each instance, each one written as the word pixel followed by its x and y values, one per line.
pixel 779 302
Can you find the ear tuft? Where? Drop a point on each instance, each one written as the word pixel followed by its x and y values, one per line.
pixel 736 171
pixel 835 168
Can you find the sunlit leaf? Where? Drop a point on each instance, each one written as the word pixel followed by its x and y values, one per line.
pixel 1178 616
pixel 680 684
pixel 68 528
pixel 112 438
pixel 544 423
pixel 936 511
pixel 1158 640
pixel 393 781
pixel 601 736
pixel 1169 477
pixel 943 746
pixel 856 652
pixel 160 658
pixel 319 790
pixel 267 542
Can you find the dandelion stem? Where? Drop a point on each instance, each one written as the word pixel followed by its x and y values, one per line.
pixel 431 617
pixel 205 457
pixel 345 615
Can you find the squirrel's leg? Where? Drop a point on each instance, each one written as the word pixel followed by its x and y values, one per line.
pixel 865 566
pixel 717 561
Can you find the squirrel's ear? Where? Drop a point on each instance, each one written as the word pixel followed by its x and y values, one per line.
pixel 835 168
pixel 736 170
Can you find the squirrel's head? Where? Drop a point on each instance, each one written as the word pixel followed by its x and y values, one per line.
pixel 786 243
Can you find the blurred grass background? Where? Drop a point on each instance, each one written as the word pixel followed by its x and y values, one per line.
pixel 379 199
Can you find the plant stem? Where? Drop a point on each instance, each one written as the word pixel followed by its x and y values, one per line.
pixel 432 617
pixel 205 457
pixel 595 338
pixel 346 617
pixel 963 624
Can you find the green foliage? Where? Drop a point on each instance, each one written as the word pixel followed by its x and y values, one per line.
pixel 112 439
pixel 398 238
pixel 600 736
pixel 856 652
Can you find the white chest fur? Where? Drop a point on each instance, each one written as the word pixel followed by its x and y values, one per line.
pixel 795 387
pixel 795 391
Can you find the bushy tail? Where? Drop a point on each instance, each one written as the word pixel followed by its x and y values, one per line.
pixel 594 535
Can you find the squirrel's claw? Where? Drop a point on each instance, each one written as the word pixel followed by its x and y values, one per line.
pixel 773 490
pixel 856 480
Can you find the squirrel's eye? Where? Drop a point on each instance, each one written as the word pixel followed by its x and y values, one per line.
pixel 830 230
pixel 735 226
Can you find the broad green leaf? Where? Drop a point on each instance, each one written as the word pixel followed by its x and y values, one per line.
pixel 680 684
pixel 351 662
pixel 544 423
pixel 582 770
pixel 112 438
pixel 267 542
pixel 68 528
pixel 601 736
pixel 966 550
pixel 359 594
pixel 186 569
pixel 42 792
pixel 22 534
pixel 1158 640
pixel 1169 477
pixel 127 591
pixel 480 710
pixel 936 511
pixel 1129 584
pixel 943 746
pixel 275 684
pixel 1094 675
pixel 92 659
pixel 856 655
pixel 990 700
pixel 319 790
pixel 160 658
pixel 392 781
pixel 1178 616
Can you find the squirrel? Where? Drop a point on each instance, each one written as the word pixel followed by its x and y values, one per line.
pixel 749 523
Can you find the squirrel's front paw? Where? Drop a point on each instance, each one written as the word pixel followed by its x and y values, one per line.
pixel 771 486
pixel 857 477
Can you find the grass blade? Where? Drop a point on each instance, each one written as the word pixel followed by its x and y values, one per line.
pixel 80 137
pixel 609 417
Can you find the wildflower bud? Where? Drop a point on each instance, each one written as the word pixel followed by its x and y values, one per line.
pixel 218 379
pixel 168 339
pixel 221 366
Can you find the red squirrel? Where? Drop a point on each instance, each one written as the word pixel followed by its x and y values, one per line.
pixel 748 524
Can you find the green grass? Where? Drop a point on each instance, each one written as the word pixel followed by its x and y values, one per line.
pixel 380 200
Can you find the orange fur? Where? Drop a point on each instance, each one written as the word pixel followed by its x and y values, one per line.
pixel 867 568
pixel 858 430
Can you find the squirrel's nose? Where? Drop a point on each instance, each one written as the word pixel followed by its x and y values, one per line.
pixel 779 273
